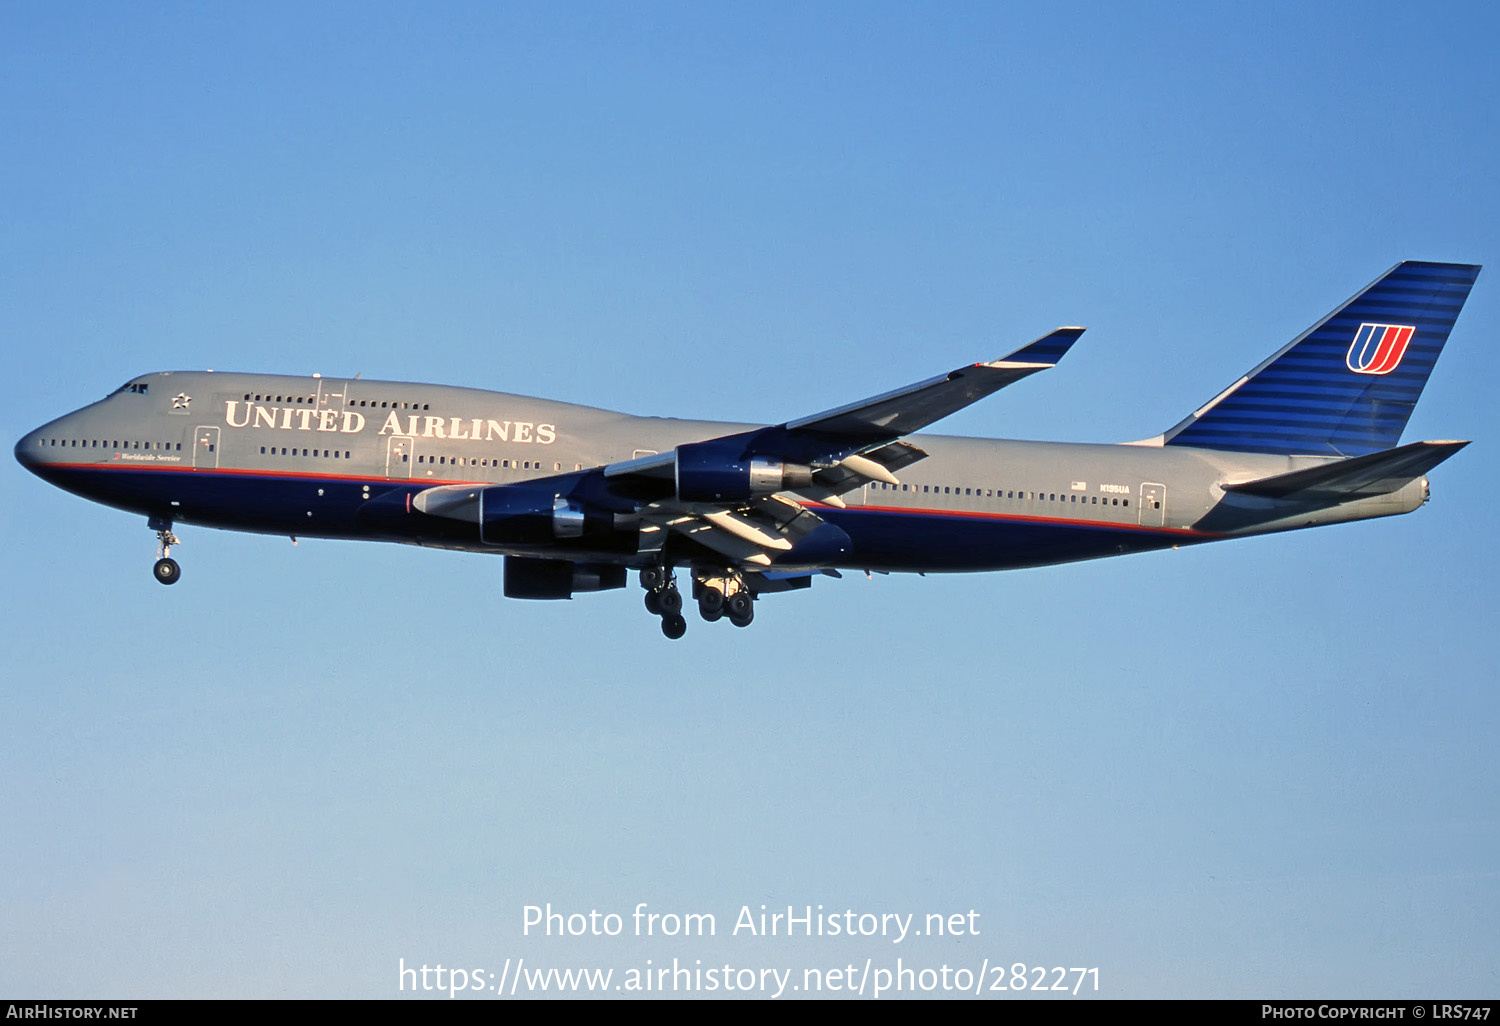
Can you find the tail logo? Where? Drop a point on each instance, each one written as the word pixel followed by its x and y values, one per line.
pixel 1378 348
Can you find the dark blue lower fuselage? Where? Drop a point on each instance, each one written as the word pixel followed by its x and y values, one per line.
pixel 379 509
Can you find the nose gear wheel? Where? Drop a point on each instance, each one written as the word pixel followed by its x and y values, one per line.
pixel 165 569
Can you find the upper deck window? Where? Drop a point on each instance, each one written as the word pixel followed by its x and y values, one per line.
pixel 137 387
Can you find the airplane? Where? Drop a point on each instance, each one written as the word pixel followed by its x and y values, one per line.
pixel 575 498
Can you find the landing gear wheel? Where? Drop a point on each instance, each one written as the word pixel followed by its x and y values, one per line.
pixel 652 578
pixel 741 609
pixel 653 603
pixel 673 626
pixel 670 601
pixel 167 571
pixel 711 603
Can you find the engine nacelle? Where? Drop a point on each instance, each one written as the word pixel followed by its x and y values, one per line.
pixel 715 472
pixel 558 578
pixel 513 515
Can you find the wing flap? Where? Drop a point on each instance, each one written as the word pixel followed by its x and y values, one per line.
pixel 772 530
pixel 857 470
pixel 733 547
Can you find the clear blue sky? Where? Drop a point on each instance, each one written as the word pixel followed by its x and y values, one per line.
pixel 1263 768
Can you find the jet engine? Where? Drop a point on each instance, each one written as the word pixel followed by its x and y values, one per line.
pixel 715 472
pixel 558 578
pixel 518 515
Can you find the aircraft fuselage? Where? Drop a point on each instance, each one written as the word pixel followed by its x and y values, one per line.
pixel 321 457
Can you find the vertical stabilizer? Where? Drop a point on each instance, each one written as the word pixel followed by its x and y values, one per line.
pixel 1347 385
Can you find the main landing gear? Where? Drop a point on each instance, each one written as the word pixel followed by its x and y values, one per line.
pixel 719 594
pixel 664 600
pixel 166 569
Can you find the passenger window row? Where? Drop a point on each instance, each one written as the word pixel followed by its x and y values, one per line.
pixel 105 443
pixel 267 397
pixel 389 404
pixel 294 451
pixel 1008 494
pixel 487 461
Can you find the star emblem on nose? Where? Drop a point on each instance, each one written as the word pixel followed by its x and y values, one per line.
pixel 180 401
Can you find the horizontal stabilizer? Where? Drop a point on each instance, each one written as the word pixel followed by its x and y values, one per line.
pixel 1357 477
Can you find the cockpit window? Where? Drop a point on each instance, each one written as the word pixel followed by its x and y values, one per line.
pixel 138 387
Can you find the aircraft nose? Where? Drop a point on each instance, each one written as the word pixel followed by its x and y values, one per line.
pixel 26 450
pixel 29 450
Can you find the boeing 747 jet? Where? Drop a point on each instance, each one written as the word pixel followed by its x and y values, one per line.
pixel 576 498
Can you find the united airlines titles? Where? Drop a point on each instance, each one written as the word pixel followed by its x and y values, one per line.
pixel 240 414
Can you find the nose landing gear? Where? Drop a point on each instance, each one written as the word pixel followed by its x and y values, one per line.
pixel 166 569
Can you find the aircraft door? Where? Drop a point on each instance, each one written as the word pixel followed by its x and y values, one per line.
pixel 330 394
pixel 206 448
pixel 398 456
pixel 1153 511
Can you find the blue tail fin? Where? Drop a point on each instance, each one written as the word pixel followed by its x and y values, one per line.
pixel 1347 385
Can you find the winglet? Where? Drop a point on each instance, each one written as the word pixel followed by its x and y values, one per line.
pixel 1047 350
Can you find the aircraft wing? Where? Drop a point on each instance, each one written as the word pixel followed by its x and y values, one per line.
pixel 745 496
pixel 866 428
pixel 912 408
pixel 820 457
